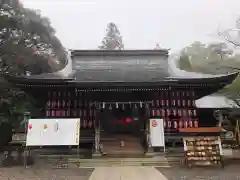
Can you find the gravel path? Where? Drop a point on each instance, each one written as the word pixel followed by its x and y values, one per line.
pixel 230 172
pixel 20 173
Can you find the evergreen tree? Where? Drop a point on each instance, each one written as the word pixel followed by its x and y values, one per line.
pixel 113 39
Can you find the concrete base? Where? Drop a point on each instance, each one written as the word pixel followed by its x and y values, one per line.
pixel 150 154
pixel 96 154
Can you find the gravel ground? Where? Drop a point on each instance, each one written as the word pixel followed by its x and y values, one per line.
pixel 230 172
pixel 20 173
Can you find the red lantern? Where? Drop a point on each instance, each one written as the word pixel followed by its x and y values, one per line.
pixel 90 123
pixel 174 112
pixel 153 112
pixel 194 113
pixel 184 112
pixel 190 113
pixel 175 124
pixel 173 102
pixel 168 112
pixel 179 112
pixel 162 102
pixel 193 103
pixel 180 124
pixel 191 123
pixel 169 124
pixel 195 123
pixel 163 112
pixel 46 113
pixel 179 102
pixel 183 102
pixel 167 103
pixel 53 113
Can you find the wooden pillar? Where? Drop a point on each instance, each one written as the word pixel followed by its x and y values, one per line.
pixel 97 149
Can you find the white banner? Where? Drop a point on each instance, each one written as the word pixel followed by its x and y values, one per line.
pixel 157 133
pixel 53 132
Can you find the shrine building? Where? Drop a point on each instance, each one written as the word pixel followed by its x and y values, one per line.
pixel 115 94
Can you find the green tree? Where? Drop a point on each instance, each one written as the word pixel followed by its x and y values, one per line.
pixel 113 39
pixel 27 44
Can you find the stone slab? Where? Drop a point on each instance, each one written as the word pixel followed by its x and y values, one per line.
pixel 126 173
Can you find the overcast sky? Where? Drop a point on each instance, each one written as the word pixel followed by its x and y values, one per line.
pixel 81 24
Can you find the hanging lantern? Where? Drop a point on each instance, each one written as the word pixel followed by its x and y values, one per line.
pixel 84 123
pixel 167 102
pixel 162 103
pixel 68 113
pixel 190 123
pixel 141 104
pixel 103 105
pixel 153 105
pixel 163 112
pixel 185 124
pixel 116 105
pixel 196 123
pixel 174 112
pixel 179 112
pixel 184 103
pixel 190 113
pixel 175 124
pixel 53 113
pixel 179 102
pixel 193 103
pixel 90 123
pixel 180 124
pixel 169 123
pixel 153 113
pixel 47 113
pixel 194 113
pixel 49 104
pixel 173 102
pixel 168 112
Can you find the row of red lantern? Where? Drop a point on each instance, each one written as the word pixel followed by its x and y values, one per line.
pixel 68 103
pixel 162 94
pixel 173 112
pixel 176 124
pixel 82 103
pixel 174 103
pixel 71 113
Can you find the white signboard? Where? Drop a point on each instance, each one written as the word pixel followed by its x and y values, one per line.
pixel 157 133
pixel 53 132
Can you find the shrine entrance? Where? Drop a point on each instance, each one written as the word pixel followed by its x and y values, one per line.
pixel 122 130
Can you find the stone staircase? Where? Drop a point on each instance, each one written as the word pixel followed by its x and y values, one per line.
pixel 121 145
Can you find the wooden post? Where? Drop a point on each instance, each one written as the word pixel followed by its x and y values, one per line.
pixel 96 150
